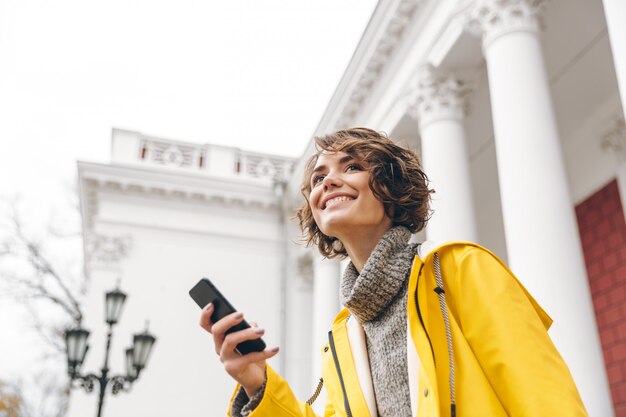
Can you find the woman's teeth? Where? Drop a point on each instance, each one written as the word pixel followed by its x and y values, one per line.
pixel 337 200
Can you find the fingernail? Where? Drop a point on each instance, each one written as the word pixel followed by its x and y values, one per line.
pixel 208 306
pixel 238 315
pixel 258 330
pixel 273 350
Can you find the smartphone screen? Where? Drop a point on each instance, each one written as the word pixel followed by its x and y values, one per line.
pixel 203 293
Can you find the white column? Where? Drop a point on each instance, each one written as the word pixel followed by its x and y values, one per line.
pixel 541 233
pixel 615 142
pixel 325 308
pixel 298 319
pixel 439 108
pixel 615 13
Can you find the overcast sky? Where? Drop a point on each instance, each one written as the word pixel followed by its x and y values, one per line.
pixel 252 74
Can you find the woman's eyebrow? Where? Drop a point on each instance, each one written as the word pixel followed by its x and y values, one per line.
pixel 343 160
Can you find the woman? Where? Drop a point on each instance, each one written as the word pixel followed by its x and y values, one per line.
pixel 428 330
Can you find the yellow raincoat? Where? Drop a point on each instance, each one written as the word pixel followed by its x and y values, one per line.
pixel 504 363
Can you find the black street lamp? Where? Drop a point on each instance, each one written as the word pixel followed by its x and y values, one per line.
pixel 136 356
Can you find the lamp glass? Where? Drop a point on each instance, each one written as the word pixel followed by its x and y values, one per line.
pixel 82 360
pixel 142 345
pixel 114 303
pixel 76 344
pixel 131 371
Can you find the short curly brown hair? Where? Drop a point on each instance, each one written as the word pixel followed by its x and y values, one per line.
pixel 396 179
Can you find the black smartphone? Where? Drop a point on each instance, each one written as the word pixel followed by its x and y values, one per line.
pixel 203 293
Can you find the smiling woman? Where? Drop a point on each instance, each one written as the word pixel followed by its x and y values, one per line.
pixel 342 202
pixel 393 174
pixel 407 307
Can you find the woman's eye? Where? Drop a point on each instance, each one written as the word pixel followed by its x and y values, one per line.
pixel 317 179
pixel 354 167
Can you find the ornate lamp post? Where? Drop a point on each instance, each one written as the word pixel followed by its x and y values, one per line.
pixel 136 356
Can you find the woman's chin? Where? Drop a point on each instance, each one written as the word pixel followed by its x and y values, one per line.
pixel 333 227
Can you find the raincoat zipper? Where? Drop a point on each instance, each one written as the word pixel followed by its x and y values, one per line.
pixel 419 315
pixel 440 292
pixel 444 312
pixel 336 359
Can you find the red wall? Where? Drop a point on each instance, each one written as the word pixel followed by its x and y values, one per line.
pixel 603 235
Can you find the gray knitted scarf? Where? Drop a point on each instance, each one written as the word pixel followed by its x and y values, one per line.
pixel 377 297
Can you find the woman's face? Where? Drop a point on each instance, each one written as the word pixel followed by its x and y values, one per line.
pixel 341 200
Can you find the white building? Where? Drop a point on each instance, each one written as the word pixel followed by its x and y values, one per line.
pixel 160 216
pixel 515 108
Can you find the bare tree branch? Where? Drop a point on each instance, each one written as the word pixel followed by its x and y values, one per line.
pixel 51 334
pixel 35 276
pixel 42 265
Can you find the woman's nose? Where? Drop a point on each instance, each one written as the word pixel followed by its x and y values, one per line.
pixel 331 180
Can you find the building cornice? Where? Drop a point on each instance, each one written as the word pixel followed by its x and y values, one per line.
pixel 166 185
pixel 366 67
pixel 381 38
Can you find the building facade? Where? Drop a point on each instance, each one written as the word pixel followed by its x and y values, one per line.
pixel 515 107
pixel 159 217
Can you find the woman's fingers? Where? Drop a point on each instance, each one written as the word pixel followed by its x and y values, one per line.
pixel 225 344
pixel 205 317
pixel 233 339
pixel 226 323
pixel 219 329
pixel 237 363
pixel 248 369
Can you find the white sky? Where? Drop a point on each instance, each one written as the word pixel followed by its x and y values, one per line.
pixel 252 74
pixel 247 73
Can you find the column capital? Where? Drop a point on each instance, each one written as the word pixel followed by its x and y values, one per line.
pixel 614 139
pixel 304 271
pixel 438 95
pixel 490 19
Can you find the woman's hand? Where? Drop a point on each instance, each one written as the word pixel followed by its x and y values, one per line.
pixel 249 369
